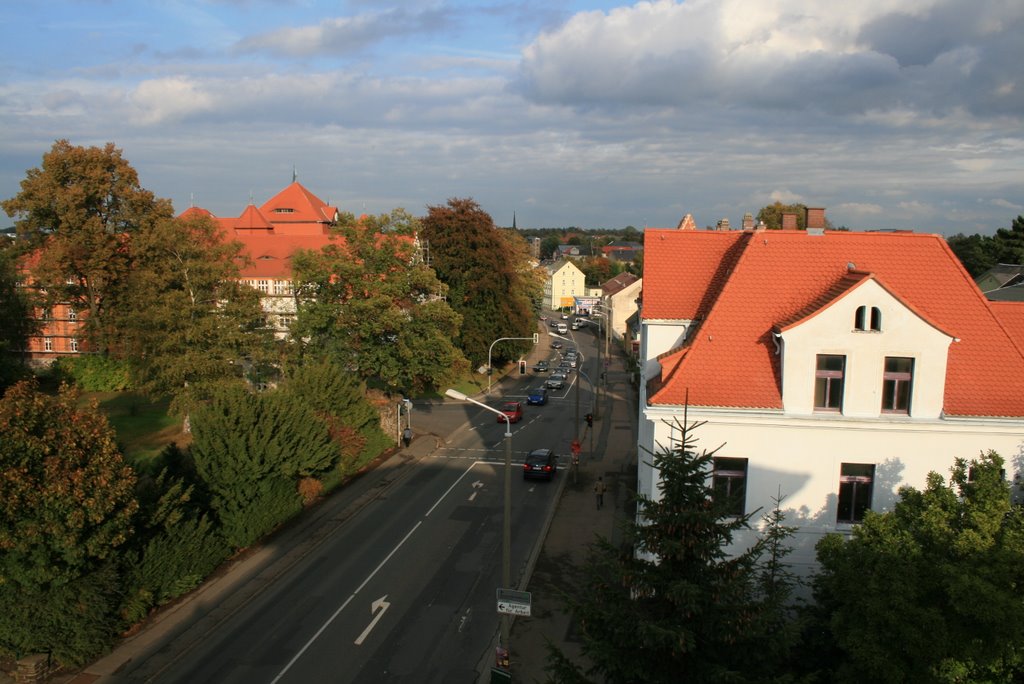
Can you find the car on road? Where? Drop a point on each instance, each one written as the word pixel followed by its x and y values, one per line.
pixel 565 366
pixel 542 463
pixel 572 361
pixel 556 345
pixel 565 317
pixel 538 396
pixel 556 381
pixel 562 328
pixel 541 367
pixel 512 409
pixel 576 325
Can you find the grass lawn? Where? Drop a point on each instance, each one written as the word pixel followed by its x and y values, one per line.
pixel 143 426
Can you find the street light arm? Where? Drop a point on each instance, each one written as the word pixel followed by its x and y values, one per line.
pixel 455 394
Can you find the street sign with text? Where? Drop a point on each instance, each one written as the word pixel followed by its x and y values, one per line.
pixel 513 602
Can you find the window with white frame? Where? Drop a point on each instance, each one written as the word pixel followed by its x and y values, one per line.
pixel 856 480
pixel 48 344
pixel 729 483
pixel 828 382
pixel 263 285
pixel 282 287
pixel 73 344
pixel 897 383
pixel 72 314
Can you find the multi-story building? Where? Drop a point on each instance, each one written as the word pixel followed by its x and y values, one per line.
pixel 564 283
pixel 291 220
pixel 831 368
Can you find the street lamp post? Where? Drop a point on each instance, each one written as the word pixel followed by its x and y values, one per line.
pixel 506 539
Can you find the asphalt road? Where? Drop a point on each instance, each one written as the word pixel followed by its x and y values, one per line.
pixel 404 590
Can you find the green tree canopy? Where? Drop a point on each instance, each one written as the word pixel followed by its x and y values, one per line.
pixel 771 215
pixel 16 322
pixel 81 205
pixel 931 591
pixel 186 321
pixel 66 506
pixel 978 253
pixel 485 270
pixel 250 450
pixel 679 607
pixel 370 302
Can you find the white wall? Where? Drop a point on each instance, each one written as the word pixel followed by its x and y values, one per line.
pixel 800 456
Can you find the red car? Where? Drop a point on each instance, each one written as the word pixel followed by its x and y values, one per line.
pixel 512 409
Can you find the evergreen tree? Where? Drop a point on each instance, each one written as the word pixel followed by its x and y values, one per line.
pixel 339 398
pixel 250 451
pixel 677 607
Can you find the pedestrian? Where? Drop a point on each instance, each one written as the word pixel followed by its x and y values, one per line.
pixel 407 437
pixel 599 492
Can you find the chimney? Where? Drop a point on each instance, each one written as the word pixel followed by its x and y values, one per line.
pixel 789 222
pixel 815 218
pixel 748 221
pixel 723 224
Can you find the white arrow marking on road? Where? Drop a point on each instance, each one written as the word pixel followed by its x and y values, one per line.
pixel 476 486
pixel 379 605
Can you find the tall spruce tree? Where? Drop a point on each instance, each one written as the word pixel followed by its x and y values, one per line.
pixel 676 607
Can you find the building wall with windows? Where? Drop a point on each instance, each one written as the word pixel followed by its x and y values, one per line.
pixel 827 368
pixel 565 282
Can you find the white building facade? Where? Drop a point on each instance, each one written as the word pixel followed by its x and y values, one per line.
pixel 831 369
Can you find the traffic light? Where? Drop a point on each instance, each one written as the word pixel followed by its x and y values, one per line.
pixel 522 368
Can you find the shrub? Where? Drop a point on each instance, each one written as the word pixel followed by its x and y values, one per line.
pixel 93 373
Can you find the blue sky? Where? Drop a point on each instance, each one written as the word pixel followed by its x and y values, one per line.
pixel 889 113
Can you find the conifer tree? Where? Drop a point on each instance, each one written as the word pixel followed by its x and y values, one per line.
pixel 677 607
pixel 249 451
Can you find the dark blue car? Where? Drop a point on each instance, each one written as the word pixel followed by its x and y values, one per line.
pixel 538 396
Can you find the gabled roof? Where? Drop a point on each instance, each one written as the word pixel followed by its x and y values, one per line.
pixel 618 283
pixel 769 278
pixel 252 219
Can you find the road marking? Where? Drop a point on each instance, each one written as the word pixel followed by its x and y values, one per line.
pixel 476 489
pixel 342 607
pixel 379 607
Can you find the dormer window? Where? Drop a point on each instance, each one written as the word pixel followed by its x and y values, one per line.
pixel 284 210
pixel 861 321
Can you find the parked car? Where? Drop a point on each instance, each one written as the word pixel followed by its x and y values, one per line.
pixel 542 463
pixel 538 396
pixel 541 367
pixel 512 409
pixel 556 381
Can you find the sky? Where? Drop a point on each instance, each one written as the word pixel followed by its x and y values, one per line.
pixel 891 114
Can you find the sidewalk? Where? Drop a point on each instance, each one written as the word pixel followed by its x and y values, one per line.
pixel 576 523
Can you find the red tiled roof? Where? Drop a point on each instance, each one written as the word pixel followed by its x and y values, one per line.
pixel 772 277
pixel 688 273
pixel 271 255
pixel 1011 315
pixel 296 204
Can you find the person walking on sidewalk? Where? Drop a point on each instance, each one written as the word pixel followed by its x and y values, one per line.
pixel 599 489
pixel 407 437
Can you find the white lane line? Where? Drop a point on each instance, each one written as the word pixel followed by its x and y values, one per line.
pixel 343 605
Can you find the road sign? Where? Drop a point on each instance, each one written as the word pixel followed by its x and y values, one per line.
pixel 513 602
